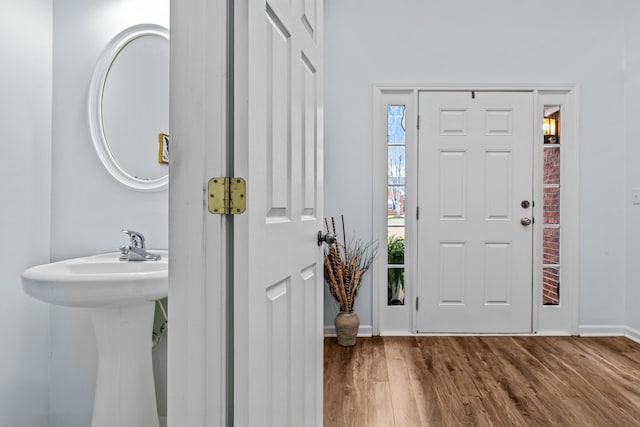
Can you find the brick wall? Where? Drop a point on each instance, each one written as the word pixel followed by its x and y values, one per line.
pixel 552 165
pixel 551 286
pixel 551 246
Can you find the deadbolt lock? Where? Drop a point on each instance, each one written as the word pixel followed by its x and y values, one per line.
pixel 524 204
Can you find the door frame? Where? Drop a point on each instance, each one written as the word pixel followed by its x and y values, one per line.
pixel 546 320
pixel 199 374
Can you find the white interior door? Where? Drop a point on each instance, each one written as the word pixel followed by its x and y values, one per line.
pixel 278 276
pixel 474 244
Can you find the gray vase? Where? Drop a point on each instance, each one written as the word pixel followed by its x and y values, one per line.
pixel 347 324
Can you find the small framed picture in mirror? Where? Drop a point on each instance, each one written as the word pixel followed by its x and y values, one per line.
pixel 163 148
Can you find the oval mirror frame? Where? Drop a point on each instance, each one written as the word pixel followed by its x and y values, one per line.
pixel 96 89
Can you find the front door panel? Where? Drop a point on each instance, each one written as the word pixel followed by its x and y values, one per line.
pixel 475 168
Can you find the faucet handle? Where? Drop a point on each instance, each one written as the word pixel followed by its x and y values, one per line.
pixel 124 252
pixel 137 239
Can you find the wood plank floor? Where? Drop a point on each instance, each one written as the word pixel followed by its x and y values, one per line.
pixel 482 381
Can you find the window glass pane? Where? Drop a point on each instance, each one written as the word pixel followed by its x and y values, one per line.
pixel 551 124
pixel 551 246
pixel 395 206
pixel 552 165
pixel 395 124
pixel 551 206
pixel 396 164
pixel 395 290
pixel 551 286
pixel 395 276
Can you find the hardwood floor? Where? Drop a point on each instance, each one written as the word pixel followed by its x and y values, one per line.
pixel 482 381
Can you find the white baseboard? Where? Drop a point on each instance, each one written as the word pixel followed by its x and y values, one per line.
pixel 633 334
pixel 584 331
pixel 553 334
pixel 397 334
pixel 363 331
pixel 609 331
pixel 601 330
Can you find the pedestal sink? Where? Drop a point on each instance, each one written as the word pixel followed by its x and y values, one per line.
pixel 120 296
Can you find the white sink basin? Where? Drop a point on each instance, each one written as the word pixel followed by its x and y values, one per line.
pixel 120 296
pixel 98 281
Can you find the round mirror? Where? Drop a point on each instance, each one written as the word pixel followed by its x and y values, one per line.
pixel 129 107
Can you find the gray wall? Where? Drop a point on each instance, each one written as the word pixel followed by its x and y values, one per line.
pixel 25 120
pixel 88 206
pixel 632 93
pixel 488 41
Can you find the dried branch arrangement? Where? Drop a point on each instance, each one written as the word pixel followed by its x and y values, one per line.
pixel 344 265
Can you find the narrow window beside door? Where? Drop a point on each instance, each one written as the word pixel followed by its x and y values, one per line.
pixel 551 207
pixel 396 152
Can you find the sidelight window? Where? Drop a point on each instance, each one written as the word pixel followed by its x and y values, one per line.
pixel 396 155
pixel 551 207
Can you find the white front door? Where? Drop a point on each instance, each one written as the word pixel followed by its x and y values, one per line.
pixel 474 240
pixel 278 269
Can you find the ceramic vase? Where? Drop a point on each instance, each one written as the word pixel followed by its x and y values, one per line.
pixel 347 324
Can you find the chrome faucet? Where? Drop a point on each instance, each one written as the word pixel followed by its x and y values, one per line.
pixel 136 251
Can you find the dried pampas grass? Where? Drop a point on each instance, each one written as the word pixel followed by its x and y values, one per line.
pixel 344 265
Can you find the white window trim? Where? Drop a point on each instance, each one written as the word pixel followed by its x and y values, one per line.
pixel 563 318
pixel 546 320
pixel 397 318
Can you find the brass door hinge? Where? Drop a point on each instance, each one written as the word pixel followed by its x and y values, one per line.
pixel 227 196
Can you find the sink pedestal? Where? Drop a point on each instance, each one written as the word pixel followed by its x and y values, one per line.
pixel 125 392
pixel 121 299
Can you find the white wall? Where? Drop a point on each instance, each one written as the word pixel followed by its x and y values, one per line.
pixel 25 120
pixel 486 41
pixel 632 92
pixel 88 206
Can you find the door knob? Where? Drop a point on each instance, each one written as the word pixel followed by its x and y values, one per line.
pixel 327 238
pixel 526 221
